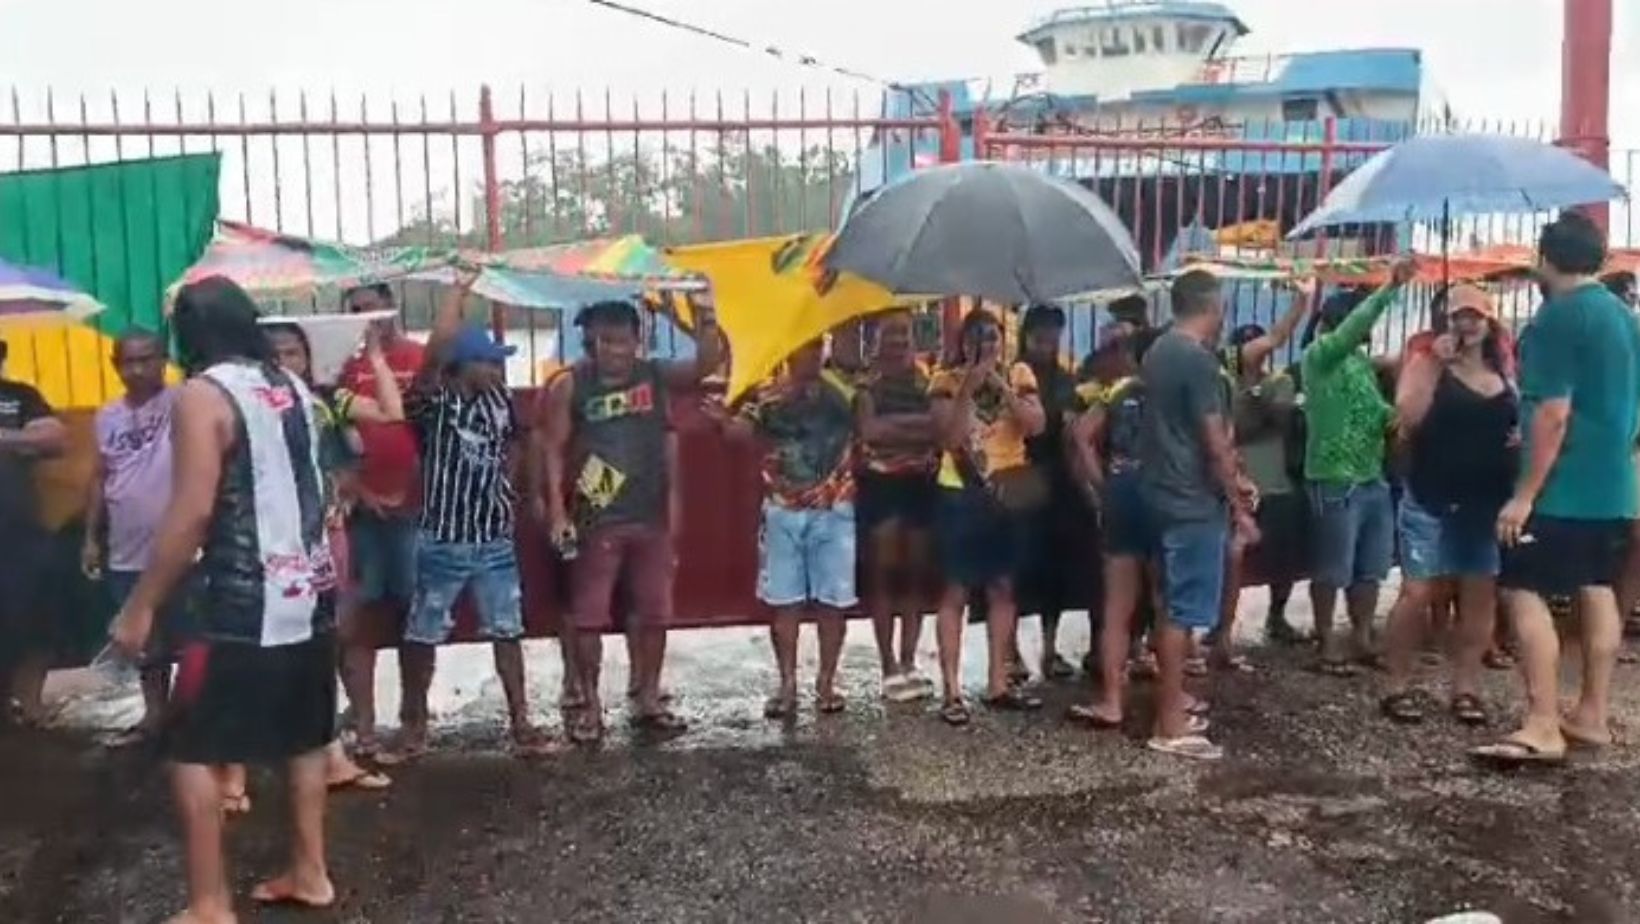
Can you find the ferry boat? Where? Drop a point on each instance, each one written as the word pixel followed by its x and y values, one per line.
pixel 1169 69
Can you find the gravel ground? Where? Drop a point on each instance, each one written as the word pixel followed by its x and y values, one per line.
pixel 1321 813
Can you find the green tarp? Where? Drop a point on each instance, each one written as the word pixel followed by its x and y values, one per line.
pixel 121 231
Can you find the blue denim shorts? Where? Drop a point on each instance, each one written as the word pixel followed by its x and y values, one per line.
pixel 807 556
pixel 383 554
pixel 1128 532
pixel 1445 545
pixel 445 569
pixel 1193 571
pixel 1354 532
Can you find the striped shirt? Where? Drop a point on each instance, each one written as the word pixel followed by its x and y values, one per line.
pixel 465 494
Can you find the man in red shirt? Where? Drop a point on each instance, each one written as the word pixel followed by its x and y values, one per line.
pixel 381 531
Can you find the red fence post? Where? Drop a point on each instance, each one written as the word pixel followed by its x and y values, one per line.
pixel 1324 178
pixel 950 153
pixel 1585 86
pixel 493 241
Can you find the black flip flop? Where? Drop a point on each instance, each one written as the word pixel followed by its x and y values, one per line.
pixel 1014 700
pixel 1404 708
pixel 956 713
pixel 1509 753
pixel 1341 670
pixel 1470 710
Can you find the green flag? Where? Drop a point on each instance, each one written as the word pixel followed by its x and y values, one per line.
pixel 121 231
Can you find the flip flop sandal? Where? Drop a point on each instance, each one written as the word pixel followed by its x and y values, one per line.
pixel 660 723
pixel 1058 668
pixel 830 705
pixel 363 781
pixel 1233 664
pixel 1342 670
pixel 586 730
pixel 1198 725
pixel 1195 667
pixel 402 753
pixel 266 894
pixel 1193 747
pixel 956 713
pixel 1406 707
pixel 1087 715
pixel 1470 710
pixel 1014 700
pixel 236 804
pixel 1195 705
pixel 1498 661
pixel 1512 753
pixel 779 707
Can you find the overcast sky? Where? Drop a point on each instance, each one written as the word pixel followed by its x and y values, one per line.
pixel 1495 59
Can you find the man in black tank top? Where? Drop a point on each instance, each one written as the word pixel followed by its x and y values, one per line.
pixel 604 480
pixel 256 678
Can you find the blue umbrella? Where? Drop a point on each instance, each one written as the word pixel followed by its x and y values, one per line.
pixel 1434 177
pixel 25 290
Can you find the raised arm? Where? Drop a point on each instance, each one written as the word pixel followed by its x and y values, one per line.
pixel 1254 351
pixel 447 321
pixel 687 374
pixel 1024 401
pixel 1331 348
pixel 201 426
pixel 388 405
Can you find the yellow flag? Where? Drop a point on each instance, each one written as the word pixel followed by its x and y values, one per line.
pixel 772 297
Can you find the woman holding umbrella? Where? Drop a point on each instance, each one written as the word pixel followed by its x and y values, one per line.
pixel 983 413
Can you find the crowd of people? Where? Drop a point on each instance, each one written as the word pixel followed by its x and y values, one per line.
pixel 259 532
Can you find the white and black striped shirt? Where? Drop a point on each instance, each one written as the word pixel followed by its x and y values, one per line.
pixel 465 440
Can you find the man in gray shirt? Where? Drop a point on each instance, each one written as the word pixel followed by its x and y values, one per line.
pixel 1189 482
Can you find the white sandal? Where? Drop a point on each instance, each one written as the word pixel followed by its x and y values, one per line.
pixel 1193 747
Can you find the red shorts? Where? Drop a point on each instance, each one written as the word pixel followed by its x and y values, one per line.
pixel 642 553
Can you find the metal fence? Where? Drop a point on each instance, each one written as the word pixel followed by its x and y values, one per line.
pixel 498 170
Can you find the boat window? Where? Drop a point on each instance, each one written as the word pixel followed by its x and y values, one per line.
pixel 1140 43
pixel 1193 37
pixel 1048 50
pixel 1070 51
pixel 1299 110
pixel 1115 44
pixel 1158 38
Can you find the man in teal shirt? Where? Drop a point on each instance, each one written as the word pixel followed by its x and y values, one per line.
pixel 1347 420
pixel 1564 529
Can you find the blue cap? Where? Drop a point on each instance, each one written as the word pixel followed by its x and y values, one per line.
pixel 473 345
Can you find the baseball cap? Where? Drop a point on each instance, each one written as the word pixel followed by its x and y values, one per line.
pixel 473 345
pixel 1471 298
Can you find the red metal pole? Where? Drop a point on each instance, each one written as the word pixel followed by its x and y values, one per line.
pixel 492 197
pixel 950 153
pixel 1324 179
pixel 1585 85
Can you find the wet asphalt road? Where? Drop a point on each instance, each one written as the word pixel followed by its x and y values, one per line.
pixel 1321 813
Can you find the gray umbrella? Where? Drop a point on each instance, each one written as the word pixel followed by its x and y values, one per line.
pixel 998 231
